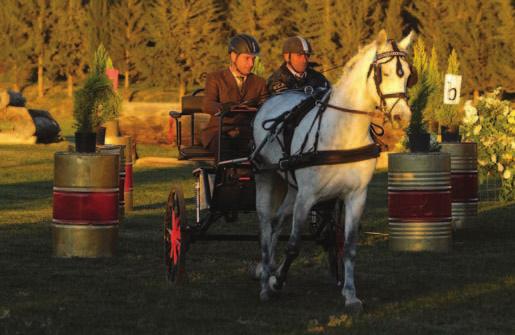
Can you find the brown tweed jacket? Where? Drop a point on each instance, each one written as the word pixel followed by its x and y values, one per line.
pixel 221 88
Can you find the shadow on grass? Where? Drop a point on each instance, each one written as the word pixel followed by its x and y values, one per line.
pixel 465 291
pixel 128 292
pixel 25 195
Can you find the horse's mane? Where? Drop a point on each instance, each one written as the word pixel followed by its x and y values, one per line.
pixel 352 62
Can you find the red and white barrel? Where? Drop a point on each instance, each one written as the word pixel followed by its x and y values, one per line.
pixel 464 179
pixel 85 204
pixel 419 202
pixel 128 186
pixel 118 150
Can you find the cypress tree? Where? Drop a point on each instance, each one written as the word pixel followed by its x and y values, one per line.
pixel 450 115
pixel 435 100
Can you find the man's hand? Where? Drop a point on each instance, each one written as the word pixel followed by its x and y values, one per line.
pixel 233 132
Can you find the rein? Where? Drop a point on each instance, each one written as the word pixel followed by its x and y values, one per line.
pixel 313 157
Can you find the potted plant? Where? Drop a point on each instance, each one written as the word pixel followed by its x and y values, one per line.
pixel 419 140
pixel 94 103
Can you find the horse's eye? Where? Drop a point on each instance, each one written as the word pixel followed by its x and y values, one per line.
pixel 386 74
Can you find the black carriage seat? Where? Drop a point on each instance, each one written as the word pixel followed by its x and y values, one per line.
pixel 191 105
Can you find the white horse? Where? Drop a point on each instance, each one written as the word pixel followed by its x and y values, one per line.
pixel 358 89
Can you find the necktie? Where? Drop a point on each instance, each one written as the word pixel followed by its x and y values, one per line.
pixel 239 81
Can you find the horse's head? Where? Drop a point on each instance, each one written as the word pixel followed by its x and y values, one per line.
pixel 389 77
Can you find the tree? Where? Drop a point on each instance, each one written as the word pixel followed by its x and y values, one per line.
pixel 128 36
pixel 480 31
pixel 187 37
pixel 37 20
pixel 393 21
pixel 435 100
pixel 318 28
pixel 266 21
pixel 68 44
pixel 99 24
pixel 14 40
pixel 355 22
pixel 450 115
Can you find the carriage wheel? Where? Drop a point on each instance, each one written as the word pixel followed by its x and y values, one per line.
pixel 175 236
pixel 336 246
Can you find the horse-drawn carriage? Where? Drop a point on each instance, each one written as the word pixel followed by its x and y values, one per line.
pixel 330 156
pixel 224 187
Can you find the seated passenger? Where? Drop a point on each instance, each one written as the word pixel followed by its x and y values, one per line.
pixel 233 86
pixel 295 72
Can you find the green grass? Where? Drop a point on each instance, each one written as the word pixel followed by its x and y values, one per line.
pixel 470 290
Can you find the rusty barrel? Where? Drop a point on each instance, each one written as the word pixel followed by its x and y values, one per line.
pixel 128 187
pixel 85 204
pixel 118 150
pixel 464 180
pixel 419 202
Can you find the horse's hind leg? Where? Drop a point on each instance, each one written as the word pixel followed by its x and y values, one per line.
pixel 269 194
pixel 301 211
pixel 354 205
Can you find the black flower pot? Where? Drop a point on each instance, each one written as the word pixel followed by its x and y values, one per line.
pixel 101 135
pixel 450 134
pixel 85 142
pixel 419 142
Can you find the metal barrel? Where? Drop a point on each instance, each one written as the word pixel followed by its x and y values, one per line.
pixel 119 150
pixel 419 202
pixel 128 186
pixel 464 180
pixel 85 203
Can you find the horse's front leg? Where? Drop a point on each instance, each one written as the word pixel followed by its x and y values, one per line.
pixel 283 214
pixel 354 205
pixel 300 215
pixel 269 195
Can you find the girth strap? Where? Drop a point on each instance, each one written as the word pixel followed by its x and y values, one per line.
pixel 329 157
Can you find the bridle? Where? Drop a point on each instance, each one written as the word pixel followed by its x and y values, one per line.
pixel 375 66
pixel 378 78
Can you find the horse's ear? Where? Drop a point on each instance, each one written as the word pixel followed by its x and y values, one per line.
pixel 381 37
pixel 406 41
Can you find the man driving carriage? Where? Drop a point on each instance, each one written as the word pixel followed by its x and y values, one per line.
pixel 296 72
pixel 230 87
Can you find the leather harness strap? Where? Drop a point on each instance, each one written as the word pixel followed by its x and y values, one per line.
pixel 329 157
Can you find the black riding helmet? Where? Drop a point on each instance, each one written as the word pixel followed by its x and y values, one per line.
pixel 298 45
pixel 243 43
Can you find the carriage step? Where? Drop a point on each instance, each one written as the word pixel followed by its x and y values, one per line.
pixel 243 238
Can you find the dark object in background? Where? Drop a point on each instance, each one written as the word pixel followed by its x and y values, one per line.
pixel 450 134
pixel 12 98
pixel 16 99
pixel 47 128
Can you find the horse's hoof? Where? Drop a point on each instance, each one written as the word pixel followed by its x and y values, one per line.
pixel 274 284
pixel 354 308
pixel 255 271
pixel 264 295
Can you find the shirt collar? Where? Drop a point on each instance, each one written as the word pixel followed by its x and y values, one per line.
pixel 295 73
pixel 237 75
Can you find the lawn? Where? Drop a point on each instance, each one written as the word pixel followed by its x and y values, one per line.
pixel 470 290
